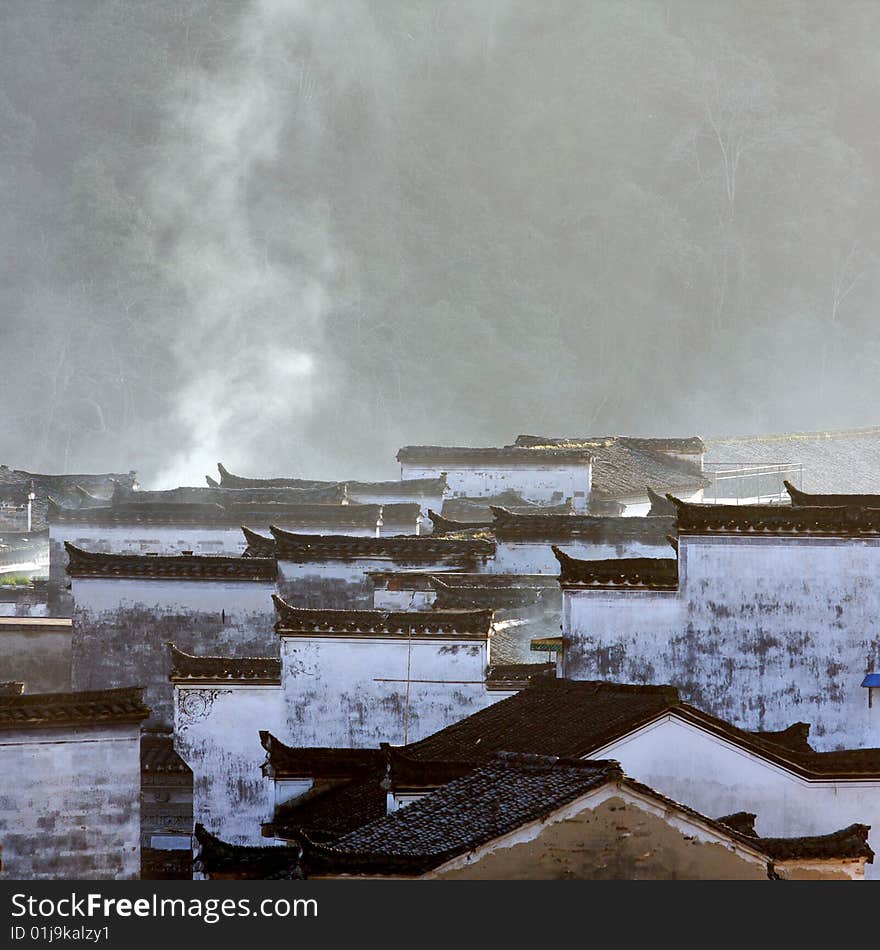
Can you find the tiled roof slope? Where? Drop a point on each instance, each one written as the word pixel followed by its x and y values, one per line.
pixel 99 707
pixel 479 807
pixel 575 718
pixel 331 812
pixel 623 467
pixel 692 445
pixel 648 573
pixel 184 566
pixel 504 676
pixel 158 756
pixel 445 624
pixel 845 460
pixel 566 718
pixel 253 669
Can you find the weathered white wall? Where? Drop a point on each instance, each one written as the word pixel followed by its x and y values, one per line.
pixel 345 584
pixel 638 507
pixel 157 539
pixel 121 627
pixel 70 803
pixel 541 482
pixel 434 502
pixel 216 732
pixel 384 599
pixel 718 778
pixel 536 557
pixel 762 632
pixel 352 692
pixel 36 654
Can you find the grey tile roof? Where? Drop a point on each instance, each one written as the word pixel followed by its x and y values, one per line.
pixel 565 718
pixel 650 573
pixel 186 667
pixel 227 512
pixel 781 520
pixel 846 460
pixel 185 566
pixel 445 624
pixel 228 480
pixel 489 802
pixel 623 467
pixel 406 549
pixel 158 756
pixel 39 710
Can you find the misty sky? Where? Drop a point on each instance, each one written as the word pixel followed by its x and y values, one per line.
pixel 293 235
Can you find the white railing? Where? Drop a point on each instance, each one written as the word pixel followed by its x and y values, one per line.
pixel 750 483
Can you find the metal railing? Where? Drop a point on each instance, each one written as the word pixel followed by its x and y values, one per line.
pixel 750 483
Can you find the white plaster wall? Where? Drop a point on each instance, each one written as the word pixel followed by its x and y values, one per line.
pixel 233 596
pixel 634 507
pixel 121 628
pixel 70 803
pixel 155 539
pixel 352 692
pixel 538 482
pixel 346 584
pixel 622 635
pixel 536 557
pixel 717 778
pixel 384 599
pixel 434 502
pixel 216 732
pixel 765 631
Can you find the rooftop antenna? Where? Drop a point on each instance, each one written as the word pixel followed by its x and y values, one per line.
pixel 30 499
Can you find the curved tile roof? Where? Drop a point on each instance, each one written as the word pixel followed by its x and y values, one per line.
pixel 184 566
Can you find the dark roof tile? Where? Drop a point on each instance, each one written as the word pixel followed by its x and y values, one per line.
pixel 184 566
pixel 440 624
pixel 649 573
pixel 566 718
pixel 407 549
pixel 780 520
pixel 253 669
pixel 456 818
pixel 41 710
pixel 158 756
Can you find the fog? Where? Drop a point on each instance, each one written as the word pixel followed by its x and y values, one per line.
pixel 295 235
